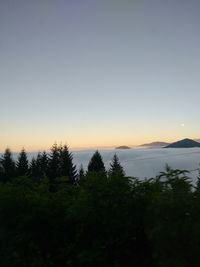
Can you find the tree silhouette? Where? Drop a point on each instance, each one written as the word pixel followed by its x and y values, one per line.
pixel 81 173
pixel 2 178
pixel 174 178
pixel 8 165
pixel 34 172
pixel 115 167
pixel 44 163
pixel 22 164
pixel 67 168
pixel 96 163
pixel 54 163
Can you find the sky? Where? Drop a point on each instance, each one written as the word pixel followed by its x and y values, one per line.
pixel 97 73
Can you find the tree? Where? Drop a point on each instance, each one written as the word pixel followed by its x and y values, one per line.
pixel 96 163
pixel 115 167
pixel 175 179
pixel 67 168
pixel 36 167
pixel 33 168
pixel 54 163
pixel 44 163
pixel 198 180
pixel 8 165
pixel 81 173
pixel 22 163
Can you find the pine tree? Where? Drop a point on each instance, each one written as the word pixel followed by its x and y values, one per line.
pixel 8 165
pixel 67 168
pixel 2 177
pixel 34 172
pixel 39 166
pixel 81 173
pixel 44 163
pixel 198 180
pixel 22 164
pixel 53 170
pixel 96 163
pixel 115 167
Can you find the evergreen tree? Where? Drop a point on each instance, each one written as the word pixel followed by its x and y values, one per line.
pixel 8 165
pixel 198 179
pixel 2 177
pixel 96 163
pixel 33 169
pixel 115 167
pixel 67 168
pixel 22 164
pixel 81 173
pixel 44 163
pixel 38 166
pixel 53 170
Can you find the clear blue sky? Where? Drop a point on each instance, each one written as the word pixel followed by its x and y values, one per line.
pixel 98 73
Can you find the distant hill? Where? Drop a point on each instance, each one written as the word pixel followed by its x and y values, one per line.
pixel 122 147
pixel 155 144
pixel 185 143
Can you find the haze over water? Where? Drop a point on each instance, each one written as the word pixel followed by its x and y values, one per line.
pixel 143 162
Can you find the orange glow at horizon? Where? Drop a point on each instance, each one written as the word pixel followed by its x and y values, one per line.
pixel 31 143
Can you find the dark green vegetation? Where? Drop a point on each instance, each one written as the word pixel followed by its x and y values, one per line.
pixel 52 216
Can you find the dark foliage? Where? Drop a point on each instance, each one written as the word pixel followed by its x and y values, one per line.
pixel 43 163
pixel 102 221
pixel 39 166
pixel 67 167
pixel 81 174
pixel 34 171
pixel 22 164
pixel 115 167
pixel 7 166
pixel 53 170
pixel 96 163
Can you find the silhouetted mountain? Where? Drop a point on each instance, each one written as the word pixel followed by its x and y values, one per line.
pixel 185 143
pixel 122 147
pixel 155 144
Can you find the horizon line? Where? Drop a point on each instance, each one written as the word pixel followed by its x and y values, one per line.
pixel 77 148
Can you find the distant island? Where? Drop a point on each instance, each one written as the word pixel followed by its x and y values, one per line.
pixel 122 147
pixel 155 144
pixel 185 143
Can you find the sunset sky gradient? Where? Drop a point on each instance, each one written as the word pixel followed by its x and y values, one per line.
pixel 98 73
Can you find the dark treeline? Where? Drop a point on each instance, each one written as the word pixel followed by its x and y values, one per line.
pixel 52 214
pixel 59 162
